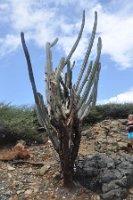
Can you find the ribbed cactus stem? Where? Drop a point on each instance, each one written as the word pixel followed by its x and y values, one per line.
pixel 48 71
pixel 48 59
pixel 73 65
pixel 46 122
pixel 59 69
pixel 54 42
pixel 69 76
pixel 96 87
pixel 81 111
pixel 85 78
pixel 93 96
pixel 87 52
pixel 42 110
pixel 92 75
pixel 31 76
pixel 78 38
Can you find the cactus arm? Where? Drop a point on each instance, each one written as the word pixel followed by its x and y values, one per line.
pixel 54 42
pixel 41 110
pixel 85 78
pixel 48 71
pixel 96 86
pixel 92 98
pixel 51 131
pixel 59 69
pixel 31 76
pixel 69 76
pixel 78 38
pixel 48 59
pixel 60 98
pixel 49 68
pixel 87 52
pixel 58 81
pixel 73 65
pixel 81 111
pixel 92 75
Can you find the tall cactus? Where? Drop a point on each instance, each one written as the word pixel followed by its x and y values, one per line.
pixel 67 104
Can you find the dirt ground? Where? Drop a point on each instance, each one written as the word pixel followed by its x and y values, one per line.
pixel 39 178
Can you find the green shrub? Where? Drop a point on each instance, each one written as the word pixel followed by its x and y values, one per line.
pixel 21 120
pixel 109 111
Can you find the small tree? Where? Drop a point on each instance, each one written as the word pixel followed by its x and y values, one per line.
pixel 67 103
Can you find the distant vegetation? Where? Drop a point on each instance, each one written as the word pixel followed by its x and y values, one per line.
pixel 19 121
pixel 109 111
pixel 22 120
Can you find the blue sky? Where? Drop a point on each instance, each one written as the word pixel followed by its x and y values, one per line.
pixel 44 20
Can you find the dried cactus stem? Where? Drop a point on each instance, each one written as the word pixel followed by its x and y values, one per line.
pixel 69 153
pixel 87 52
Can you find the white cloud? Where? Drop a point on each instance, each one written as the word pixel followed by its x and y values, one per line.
pixel 116 33
pixel 9 44
pixel 45 20
pixel 125 97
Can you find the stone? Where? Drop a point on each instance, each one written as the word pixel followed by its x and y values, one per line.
pixel 20 191
pixel 10 168
pixel 28 192
pixel 107 176
pixel 122 144
pixel 36 189
pixel 15 197
pixel 57 176
pixel 111 141
pixel 44 169
pixel 110 186
pixel 10 176
pixel 95 197
pixel 116 194
pixel 29 171
pixel 131 190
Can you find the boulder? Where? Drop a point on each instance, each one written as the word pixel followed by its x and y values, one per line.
pixel 110 177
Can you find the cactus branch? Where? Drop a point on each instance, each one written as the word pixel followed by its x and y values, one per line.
pixel 59 69
pixel 92 98
pixel 92 75
pixel 31 76
pixel 54 42
pixel 69 76
pixel 78 38
pixel 73 65
pixel 87 52
pixel 85 78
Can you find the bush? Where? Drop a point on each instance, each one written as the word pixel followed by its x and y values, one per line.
pixel 109 111
pixel 20 122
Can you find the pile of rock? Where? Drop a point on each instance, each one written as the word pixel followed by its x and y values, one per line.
pixel 110 178
pixel 110 136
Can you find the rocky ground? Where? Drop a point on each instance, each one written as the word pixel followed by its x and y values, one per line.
pixel 39 178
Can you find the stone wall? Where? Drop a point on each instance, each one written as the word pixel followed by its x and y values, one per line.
pixel 110 178
pixel 105 162
pixel 110 136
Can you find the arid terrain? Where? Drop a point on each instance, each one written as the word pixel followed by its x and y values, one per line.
pixel 38 177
